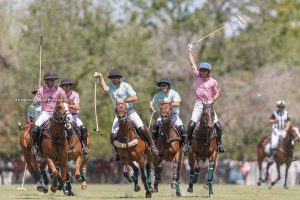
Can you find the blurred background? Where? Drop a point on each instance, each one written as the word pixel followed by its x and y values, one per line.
pixel 147 40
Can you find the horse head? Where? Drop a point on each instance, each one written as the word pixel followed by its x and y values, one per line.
pixel 62 113
pixel 207 116
pixel 294 134
pixel 165 111
pixel 121 111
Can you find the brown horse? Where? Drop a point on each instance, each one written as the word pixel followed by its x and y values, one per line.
pixel 203 146
pixel 283 154
pixel 75 154
pixel 169 146
pixel 35 169
pixel 132 148
pixel 54 144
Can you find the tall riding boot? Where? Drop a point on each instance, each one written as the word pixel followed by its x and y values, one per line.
pixel 190 131
pixel 155 131
pixel 83 131
pixel 149 140
pixel 68 128
pixel 182 133
pixel 113 137
pixel 35 138
pixel 218 128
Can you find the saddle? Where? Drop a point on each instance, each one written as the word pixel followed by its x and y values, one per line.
pixel 204 139
pixel 170 140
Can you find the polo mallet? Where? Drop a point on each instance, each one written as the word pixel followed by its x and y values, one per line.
pixel 41 47
pixel 95 100
pixel 240 19
pixel 22 188
pixel 150 119
pixel 21 127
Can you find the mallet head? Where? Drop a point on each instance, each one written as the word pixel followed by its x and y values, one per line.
pixel 241 19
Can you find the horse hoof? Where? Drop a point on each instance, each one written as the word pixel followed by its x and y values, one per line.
pixel 206 186
pixel 258 183
pixel 71 193
pixel 178 194
pixel 151 189
pixel 190 190
pixel 40 188
pixel 285 187
pixel 53 189
pixel 137 188
pixel 155 190
pixel 211 196
pixel 148 195
pixel 77 176
pixel 83 185
pixel 273 183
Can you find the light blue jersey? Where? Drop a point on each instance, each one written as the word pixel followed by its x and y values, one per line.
pixel 171 97
pixel 34 111
pixel 122 92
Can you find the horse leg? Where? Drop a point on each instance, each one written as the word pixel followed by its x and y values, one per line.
pixel 267 172
pixel 142 169
pixel 192 171
pixel 260 172
pixel 196 173
pixel 68 188
pixel 286 174
pixel 135 177
pixel 45 177
pixel 148 179
pixel 33 170
pixel 54 172
pixel 178 193
pixel 77 170
pixel 126 173
pixel 157 171
pixel 63 167
pixel 278 175
pixel 82 177
pixel 210 177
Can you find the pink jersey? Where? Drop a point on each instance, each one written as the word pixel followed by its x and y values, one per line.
pixel 73 97
pixel 205 89
pixel 50 97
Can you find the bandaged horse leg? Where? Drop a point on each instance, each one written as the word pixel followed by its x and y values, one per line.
pixel 210 177
pixel 126 173
pixel 158 170
pixel 192 172
pixel 135 176
pixel 148 178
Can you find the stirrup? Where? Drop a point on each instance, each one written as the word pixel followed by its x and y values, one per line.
pixel 34 150
pixel 85 150
pixel 221 148
pixel 117 157
pixel 154 150
pixel 185 149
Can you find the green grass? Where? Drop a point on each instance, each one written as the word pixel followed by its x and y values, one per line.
pixel 125 191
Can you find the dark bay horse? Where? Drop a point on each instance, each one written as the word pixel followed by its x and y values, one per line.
pixel 54 144
pixel 283 154
pixel 35 168
pixel 203 146
pixel 132 148
pixel 75 154
pixel 169 145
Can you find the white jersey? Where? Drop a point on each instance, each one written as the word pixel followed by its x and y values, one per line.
pixel 282 117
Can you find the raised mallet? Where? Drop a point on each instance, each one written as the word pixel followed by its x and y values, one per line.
pixel 239 19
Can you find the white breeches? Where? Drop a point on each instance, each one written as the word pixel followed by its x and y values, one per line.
pixel 276 134
pixel 175 121
pixel 198 108
pixel 77 121
pixel 133 117
pixel 43 118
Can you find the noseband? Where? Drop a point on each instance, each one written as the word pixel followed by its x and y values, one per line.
pixel 60 117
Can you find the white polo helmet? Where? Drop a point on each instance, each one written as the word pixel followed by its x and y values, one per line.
pixel 280 103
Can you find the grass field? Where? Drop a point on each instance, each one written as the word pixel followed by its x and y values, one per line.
pixel 125 191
